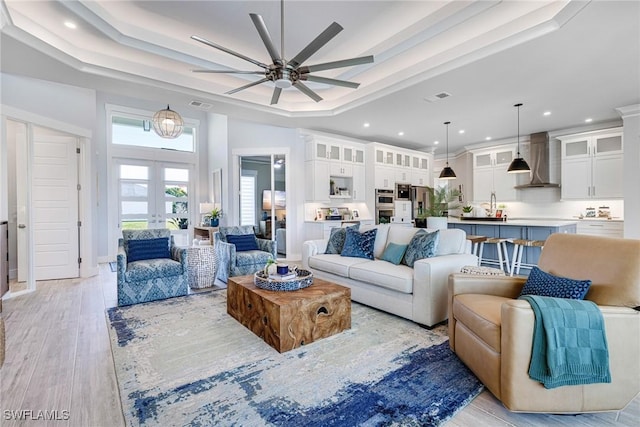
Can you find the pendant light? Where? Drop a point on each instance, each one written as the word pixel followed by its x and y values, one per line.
pixel 518 165
pixel 167 123
pixel 447 172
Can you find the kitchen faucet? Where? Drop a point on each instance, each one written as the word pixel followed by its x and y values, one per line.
pixel 493 204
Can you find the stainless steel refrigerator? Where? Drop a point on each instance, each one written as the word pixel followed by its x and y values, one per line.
pixel 419 200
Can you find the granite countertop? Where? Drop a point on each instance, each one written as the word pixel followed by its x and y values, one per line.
pixel 545 222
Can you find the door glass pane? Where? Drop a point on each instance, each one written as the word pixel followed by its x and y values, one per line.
pixel 180 175
pixel 348 154
pixel 133 189
pixel 504 157
pixel 578 148
pixel 379 156
pixel 131 207
pixel 483 160
pixel 609 144
pixel 134 172
pixel 135 224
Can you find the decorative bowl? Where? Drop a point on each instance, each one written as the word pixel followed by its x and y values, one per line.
pixel 302 280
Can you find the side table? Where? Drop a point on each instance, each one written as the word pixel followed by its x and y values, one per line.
pixel 203 266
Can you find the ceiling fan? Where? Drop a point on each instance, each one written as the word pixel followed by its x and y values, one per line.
pixel 289 73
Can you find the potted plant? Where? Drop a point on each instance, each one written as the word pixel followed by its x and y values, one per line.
pixel 215 215
pixel 467 210
pixel 441 199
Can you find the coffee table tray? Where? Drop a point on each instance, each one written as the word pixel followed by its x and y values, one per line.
pixel 303 280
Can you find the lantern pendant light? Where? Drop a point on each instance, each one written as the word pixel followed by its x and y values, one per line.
pixel 518 165
pixel 447 172
pixel 168 124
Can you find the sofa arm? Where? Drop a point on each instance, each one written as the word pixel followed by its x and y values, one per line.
pixel 430 278
pixel 266 245
pixel 180 254
pixel 310 248
pixel 520 393
pixel 226 254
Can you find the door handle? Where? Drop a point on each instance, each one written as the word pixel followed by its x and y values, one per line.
pixel 22 226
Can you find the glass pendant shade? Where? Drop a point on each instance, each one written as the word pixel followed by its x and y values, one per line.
pixel 518 165
pixel 447 172
pixel 168 124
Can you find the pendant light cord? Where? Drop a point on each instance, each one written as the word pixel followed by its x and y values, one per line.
pixel 518 106
pixel 447 123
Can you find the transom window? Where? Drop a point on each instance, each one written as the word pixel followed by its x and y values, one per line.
pixel 139 132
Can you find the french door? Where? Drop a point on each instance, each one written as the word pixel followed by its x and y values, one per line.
pixel 155 194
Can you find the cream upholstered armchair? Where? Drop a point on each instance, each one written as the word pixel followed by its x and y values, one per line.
pixel 492 332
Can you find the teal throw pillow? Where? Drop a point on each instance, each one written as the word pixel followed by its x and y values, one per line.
pixel 394 253
pixel 422 245
pixel 547 285
pixel 336 239
pixel 359 245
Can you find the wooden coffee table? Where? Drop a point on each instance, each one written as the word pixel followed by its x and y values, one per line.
pixel 288 320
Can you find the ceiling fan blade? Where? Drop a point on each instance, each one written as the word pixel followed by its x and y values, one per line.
pixel 304 89
pixel 229 51
pixel 247 86
pixel 329 81
pixel 276 95
pixel 227 72
pixel 336 64
pixel 324 37
pixel 266 38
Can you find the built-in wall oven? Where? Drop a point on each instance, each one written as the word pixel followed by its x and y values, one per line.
pixel 384 206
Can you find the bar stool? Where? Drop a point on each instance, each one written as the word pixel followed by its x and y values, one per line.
pixel 477 245
pixel 518 247
pixel 503 255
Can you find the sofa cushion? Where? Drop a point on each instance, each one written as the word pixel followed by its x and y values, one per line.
pixel 452 241
pixel 547 285
pixel 337 238
pixel 335 264
pixel 481 314
pixel 386 275
pixel 381 237
pixel 422 245
pixel 243 242
pixel 358 244
pixel 141 249
pixel 143 270
pixel 401 234
pixel 394 253
pixel 252 258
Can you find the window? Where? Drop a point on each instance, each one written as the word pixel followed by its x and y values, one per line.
pixel 138 132
pixel 248 198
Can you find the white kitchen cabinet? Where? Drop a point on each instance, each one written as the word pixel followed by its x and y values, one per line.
pixel 316 181
pixel 359 183
pixel 320 149
pixel 490 174
pixel 421 166
pixel 592 165
pixel 601 228
pixel 340 169
pixel 385 178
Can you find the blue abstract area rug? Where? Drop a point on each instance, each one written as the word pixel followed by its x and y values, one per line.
pixel 185 362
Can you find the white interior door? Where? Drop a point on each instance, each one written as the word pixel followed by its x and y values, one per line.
pixel 53 165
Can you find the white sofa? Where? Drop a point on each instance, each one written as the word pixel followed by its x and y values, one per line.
pixel 418 294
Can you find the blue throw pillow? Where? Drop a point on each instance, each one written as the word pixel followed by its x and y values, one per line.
pixel 243 242
pixel 394 253
pixel 422 245
pixel 359 245
pixel 336 239
pixel 140 249
pixel 547 285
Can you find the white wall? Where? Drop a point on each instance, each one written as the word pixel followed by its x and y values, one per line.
pixel 631 122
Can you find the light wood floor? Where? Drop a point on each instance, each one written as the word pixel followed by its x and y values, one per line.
pixel 59 359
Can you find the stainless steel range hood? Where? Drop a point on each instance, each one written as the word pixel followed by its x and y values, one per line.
pixel 539 153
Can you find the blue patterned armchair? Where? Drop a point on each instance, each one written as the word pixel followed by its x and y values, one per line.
pixel 234 262
pixel 150 267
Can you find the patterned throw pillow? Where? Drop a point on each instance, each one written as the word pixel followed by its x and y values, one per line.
pixel 243 242
pixel 394 253
pixel 139 249
pixel 547 285
pixel 336 239
pixel 359 245
pixel 422 245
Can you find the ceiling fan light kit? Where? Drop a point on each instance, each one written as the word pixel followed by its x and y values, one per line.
pixel 518 165
pixel 168 124
pixel 285 74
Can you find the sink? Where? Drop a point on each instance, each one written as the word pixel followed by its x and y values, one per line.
pixel 481 218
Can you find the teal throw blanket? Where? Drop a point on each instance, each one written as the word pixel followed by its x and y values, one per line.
pixel 569 342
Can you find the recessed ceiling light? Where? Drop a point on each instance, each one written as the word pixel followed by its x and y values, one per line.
pixel 366 125
pixel 546 113
pixel 488 138
pixel 70 24
pixel 436 142
pixel 589 120
pixel 461 131
pixel 400 133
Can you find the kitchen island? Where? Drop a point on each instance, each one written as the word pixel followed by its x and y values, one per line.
pixel 531 229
